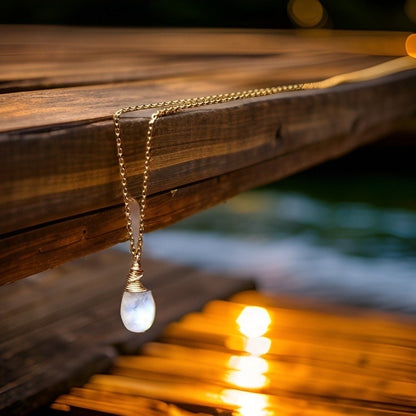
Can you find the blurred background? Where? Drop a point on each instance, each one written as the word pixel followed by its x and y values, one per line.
pixel 276 14
pixel 344 231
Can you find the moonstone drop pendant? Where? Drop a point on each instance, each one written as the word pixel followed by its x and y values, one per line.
pixel 138 307
pixel 138 310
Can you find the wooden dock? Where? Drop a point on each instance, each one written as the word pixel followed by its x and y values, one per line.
pixel 61 326
pixel 60 199
pixel 60 188
pixel 307 360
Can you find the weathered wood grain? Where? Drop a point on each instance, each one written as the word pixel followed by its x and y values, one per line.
pixel 49 109
pixel 60 194
pixel 309 128
pixel 36 57
pixel 81 174
pixel 60 327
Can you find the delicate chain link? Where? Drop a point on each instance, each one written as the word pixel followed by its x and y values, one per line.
pixel 173 106
pixel 165 108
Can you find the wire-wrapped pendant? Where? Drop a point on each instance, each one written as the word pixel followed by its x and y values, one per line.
pixel 138 307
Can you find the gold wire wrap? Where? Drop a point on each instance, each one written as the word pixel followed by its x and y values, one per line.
pixel 134 284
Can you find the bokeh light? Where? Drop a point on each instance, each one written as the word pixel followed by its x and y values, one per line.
pixel 253 321
pixel 249 404
pixel 307 13
pixel 411 45
pixel 257 346
pixel 248 363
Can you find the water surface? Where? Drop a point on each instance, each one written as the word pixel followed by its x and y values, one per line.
pixel 348 238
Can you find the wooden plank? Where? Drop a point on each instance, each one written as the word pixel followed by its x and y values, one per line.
pixel 301 143
pixel 60 191
pixel 320 360
pixel 36 57
pixel 60 327
pixel 53 108
pixel 81 174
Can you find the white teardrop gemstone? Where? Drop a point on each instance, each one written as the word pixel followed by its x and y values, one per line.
pixel 138 310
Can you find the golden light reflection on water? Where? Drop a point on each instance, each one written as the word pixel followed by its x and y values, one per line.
pixel 254 321
pixel 248 363
pixel 254 346
pixel 247 371
pixel 257 346
pixel 249 404
pixel 247 380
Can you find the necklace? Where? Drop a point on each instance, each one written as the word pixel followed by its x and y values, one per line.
pixel 137 306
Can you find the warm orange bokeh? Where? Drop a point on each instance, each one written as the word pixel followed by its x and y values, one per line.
pixel 249 371
pixel 253 321
pixel 307 13
pixel 249 404
pixel 411 45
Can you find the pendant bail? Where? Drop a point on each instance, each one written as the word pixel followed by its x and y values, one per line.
pixel 134 284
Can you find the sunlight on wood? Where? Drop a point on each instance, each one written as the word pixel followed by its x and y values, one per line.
pixel 314 360
pixel 53 187
pixel 248 404
pixel 248 372
pixel 253 321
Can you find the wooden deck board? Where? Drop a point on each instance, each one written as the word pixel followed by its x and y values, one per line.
pixel 322 360
pixel 60 195
pixel 52 57
pixel 60 107
pixel 60 327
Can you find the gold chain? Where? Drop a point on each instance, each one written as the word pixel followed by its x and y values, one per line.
pixel 165 108
pixel 174 106
pixel 137 298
